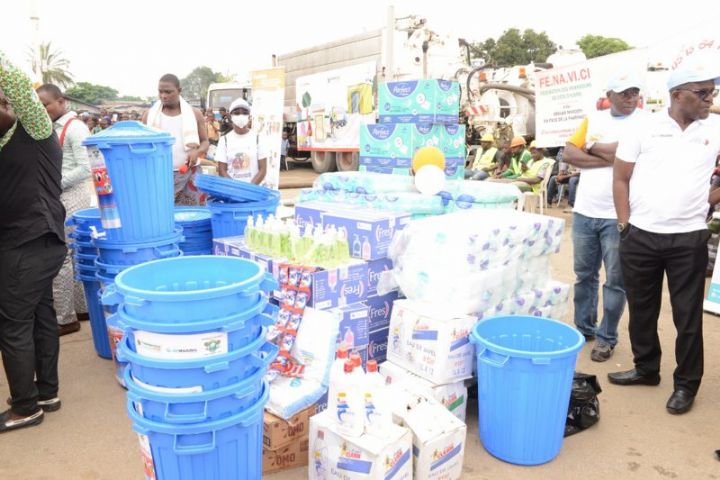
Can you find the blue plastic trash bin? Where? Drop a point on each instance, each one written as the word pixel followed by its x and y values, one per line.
pixel 525 368
pixel 135 187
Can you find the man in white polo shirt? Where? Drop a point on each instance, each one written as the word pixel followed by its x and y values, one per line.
pixel 594 228
pixel 662 190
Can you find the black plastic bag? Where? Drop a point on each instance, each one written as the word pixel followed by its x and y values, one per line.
pixel 584 409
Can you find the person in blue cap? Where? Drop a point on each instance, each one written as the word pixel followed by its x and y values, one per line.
pixel 662 191
pixel 594 226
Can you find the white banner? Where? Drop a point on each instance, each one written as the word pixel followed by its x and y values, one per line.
pixel 267 110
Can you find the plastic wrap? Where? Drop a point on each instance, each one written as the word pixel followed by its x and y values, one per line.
pixel 550 301
pixel 401 202
pixel 364 182
pixel 469 261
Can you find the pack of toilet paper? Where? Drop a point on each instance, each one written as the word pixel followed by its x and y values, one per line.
pixel 471 260
pixel 364 182
pixel 413 203
pixel 550 300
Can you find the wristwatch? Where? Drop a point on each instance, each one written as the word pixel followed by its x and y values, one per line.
pixel 621 227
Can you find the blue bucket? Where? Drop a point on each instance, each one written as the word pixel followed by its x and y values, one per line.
pixel 261 313
pixel 208 373
pixel 115 336
pixel 91 288
pixel 113 253
pixel 229 219
pixel 230 336
pixel 83 219
pixel 192 218
pixel 85 259
pixel 525 369
pixel 140 169
pixel 194 407
pixel 230 448
pixel 190 288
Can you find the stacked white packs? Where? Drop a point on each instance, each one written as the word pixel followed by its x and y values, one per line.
pixel 550 301
pixel 469 261
pixel 364 182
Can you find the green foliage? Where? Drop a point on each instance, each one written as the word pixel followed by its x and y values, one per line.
pixel 596 46
pixel 195 85
pixel 51 66
pixel 130 98
pixel 91 93
pixel 514 48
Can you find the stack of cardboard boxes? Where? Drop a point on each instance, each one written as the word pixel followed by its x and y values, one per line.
pixel 285 442
pixel 414 114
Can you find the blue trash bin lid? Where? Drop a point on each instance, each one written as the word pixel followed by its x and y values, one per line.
pixel 231 190
pixel 128 132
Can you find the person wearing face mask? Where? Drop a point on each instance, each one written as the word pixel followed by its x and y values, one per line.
pixel 172 114
pixel 239 154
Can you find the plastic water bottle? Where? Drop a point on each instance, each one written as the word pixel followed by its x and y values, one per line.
pixel 249 231
pixel 259 233
pixel 377 409
pixel 337 370
pixel 348 410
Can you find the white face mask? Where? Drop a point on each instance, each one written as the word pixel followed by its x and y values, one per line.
pixel 240 121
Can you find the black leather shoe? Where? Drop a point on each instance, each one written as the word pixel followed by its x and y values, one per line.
pixel 632 377
pixel 680 402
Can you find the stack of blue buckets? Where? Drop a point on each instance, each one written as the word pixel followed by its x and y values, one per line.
pixel 197 230
pixel 232 202
pixel 86 222
pixel 193 326
pixel 196 352
pixel 136 209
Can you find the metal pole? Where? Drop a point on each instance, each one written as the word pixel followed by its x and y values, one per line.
pixel 390 43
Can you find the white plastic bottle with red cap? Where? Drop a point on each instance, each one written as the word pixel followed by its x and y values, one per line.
pixel 349 412
pixel 377 406
pixel 336 372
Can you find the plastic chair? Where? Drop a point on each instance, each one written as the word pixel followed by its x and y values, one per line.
pixel 540 197
pixel 561 192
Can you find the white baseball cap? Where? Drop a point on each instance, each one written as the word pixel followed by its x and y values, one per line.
pixel 697 68
pixel 622 81
pixel 240 103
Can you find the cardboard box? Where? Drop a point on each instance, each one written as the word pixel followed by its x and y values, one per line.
pixel 387 170
pixel 333 455
pixel 292 455
pixel 452 395
pixel 380 310
pixel 430 343
pixel 438 437
pixel 375 268
pixel 330 288
pixel 377 345
pixel 353 325
pixel 278 432
pixel 419 101
pixel 369 233
pixel 310 213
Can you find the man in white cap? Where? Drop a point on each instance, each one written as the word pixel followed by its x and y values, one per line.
pixel 239 153
pixel 594 227
pixel 662 191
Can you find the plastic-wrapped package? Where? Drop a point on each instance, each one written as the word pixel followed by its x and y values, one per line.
pixel 467 191
pixel 469 261
pixel 399 202
pixel 364 182
pixel 550 300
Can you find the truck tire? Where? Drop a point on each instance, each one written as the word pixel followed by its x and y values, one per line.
pixel 323 162
pixel 347 161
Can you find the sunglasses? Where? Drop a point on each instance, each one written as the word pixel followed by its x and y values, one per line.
pixel 703 92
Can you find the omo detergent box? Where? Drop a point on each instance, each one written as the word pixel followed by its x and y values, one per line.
pixel 386 145
pixel 430 343
pixel 419 101
pixel 335 456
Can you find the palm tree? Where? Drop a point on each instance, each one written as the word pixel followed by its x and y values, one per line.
pixel 50 65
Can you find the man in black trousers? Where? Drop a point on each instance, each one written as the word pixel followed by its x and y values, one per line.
pixel 661 190
pixel 32 249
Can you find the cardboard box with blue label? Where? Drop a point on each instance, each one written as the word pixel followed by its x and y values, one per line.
pixel 353 325
pixel 375 268
pixel 384 145
pixel 452 140
pixel 335 287
pixel 380 310
pixel 369 232
pixel 419 101
pixel 377 345
pixel 386 170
